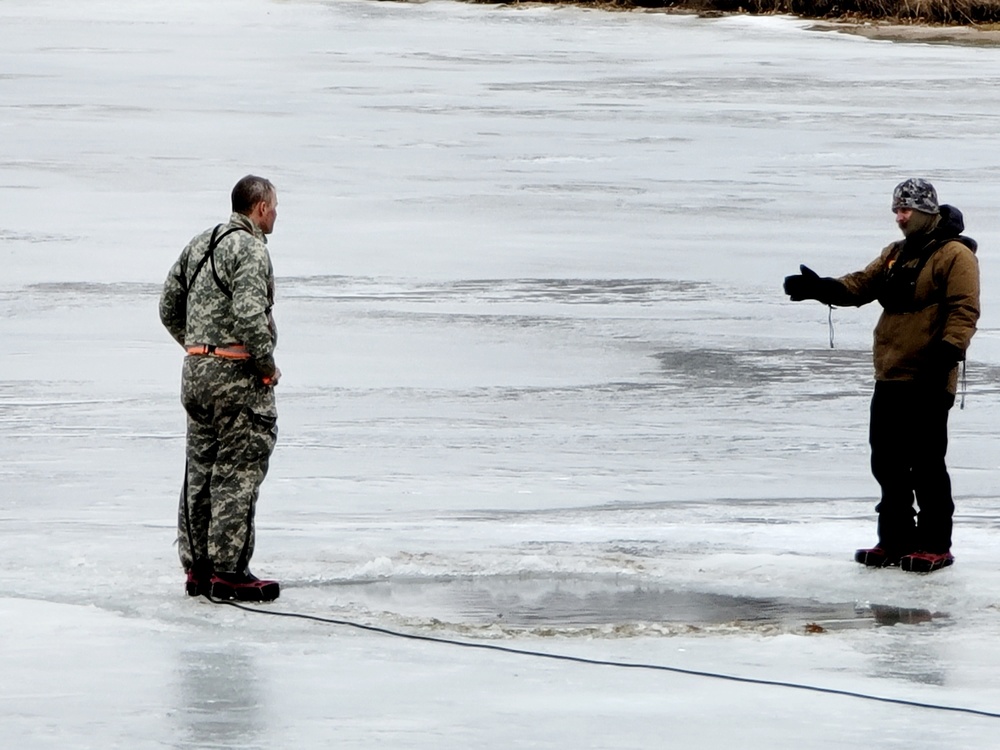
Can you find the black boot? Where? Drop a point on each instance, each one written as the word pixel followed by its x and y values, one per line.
pixel 877 557
pixel 199 578
pixel 926 562
pixel 244 587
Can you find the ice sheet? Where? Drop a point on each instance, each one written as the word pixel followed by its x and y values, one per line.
pixel 541 387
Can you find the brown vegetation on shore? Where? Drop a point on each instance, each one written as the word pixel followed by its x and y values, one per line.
pixel 949 12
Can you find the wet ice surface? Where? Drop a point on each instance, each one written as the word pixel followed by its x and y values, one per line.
pixel 541 388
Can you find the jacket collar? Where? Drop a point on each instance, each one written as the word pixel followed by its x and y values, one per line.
pixel 239 220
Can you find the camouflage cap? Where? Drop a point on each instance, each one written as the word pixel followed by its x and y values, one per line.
pixel 916 194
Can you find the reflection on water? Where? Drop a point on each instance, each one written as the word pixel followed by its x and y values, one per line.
pixel 220 704
pixel 886 615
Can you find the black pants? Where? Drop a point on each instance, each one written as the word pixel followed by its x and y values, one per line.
pixel 909 438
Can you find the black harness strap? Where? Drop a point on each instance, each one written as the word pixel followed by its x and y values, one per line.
pixel 210 256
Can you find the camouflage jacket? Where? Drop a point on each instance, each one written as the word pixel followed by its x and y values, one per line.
pixel 229 300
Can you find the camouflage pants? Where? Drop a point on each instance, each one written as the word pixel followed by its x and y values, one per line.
pixel 231 432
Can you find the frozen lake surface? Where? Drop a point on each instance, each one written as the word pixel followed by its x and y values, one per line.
pixel 541 388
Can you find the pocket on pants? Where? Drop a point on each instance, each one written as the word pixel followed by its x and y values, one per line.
pixel 263 435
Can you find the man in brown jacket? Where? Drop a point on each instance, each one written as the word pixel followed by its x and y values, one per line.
pixel 928 286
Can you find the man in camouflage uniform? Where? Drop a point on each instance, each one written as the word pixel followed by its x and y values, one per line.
pixel 216 303
pixel 928 286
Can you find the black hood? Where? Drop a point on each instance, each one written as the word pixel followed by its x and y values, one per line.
pixel 950 227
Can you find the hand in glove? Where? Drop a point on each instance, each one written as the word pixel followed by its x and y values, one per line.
pixel 805 285
pixel 945 357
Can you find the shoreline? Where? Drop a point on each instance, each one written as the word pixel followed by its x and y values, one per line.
pixel 917 33
pixel 879 29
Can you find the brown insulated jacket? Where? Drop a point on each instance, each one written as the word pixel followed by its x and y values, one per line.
pixel 929 289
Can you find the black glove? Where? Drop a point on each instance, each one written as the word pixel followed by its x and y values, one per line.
pixel 809 285
pixel 944 357
pixel 806 285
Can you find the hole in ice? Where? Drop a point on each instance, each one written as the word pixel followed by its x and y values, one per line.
pixel 559 602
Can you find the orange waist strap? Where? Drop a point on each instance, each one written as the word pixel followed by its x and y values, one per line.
pixel 233 351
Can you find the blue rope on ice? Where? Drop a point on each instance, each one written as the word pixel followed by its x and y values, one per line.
pixel 617 664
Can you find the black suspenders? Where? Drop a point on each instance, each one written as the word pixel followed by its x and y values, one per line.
pixel 210 256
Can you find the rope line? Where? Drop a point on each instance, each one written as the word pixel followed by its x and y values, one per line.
pixel 610 663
